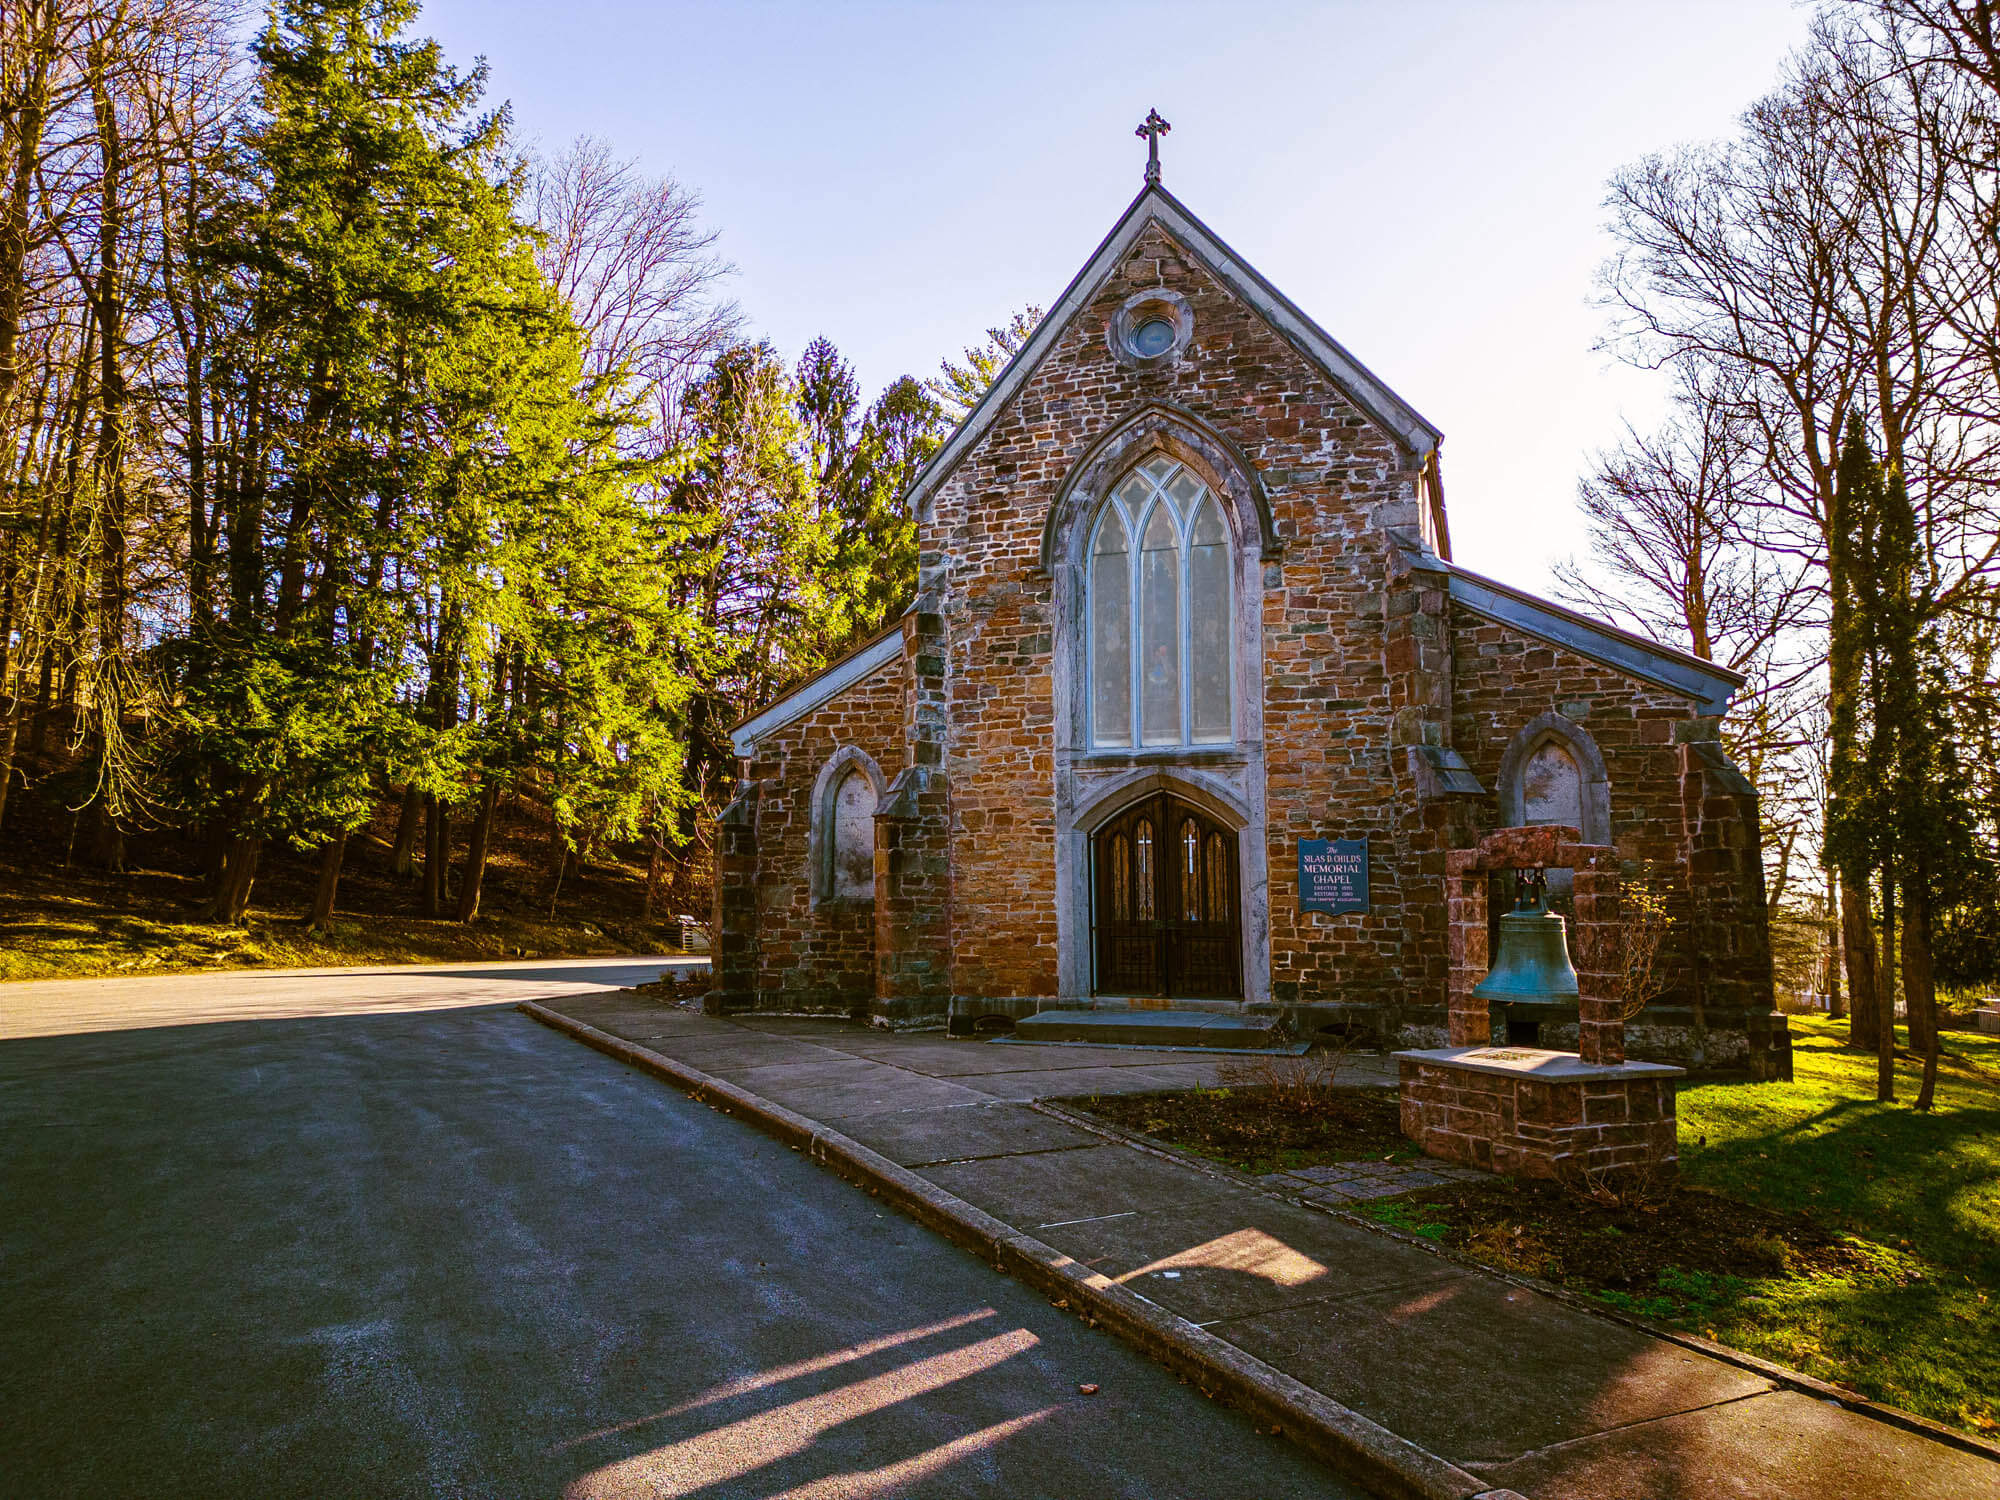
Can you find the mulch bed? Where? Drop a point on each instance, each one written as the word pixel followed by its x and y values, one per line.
pixel 1542 1229
pixel 1641 1254
pixel 1245 1128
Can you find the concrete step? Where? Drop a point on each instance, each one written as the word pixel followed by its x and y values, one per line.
pixel 1208 1030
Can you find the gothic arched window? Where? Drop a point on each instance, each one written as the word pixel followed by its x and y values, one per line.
pixel 841 836
pixel 853 814
pixel 1160 613
pixel 1552 785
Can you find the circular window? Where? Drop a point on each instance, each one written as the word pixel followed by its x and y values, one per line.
pixel 1150 329
pixel 1152 338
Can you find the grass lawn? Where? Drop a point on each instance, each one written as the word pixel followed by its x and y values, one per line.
pixel 1919 1327
pixel 1859 1242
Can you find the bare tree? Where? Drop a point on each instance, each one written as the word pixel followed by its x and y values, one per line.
pixel 630 256
pixel 1823 263
pixel 92 96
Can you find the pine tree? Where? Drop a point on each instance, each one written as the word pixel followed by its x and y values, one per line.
pixel 359 186
pixel 1853 815
pixel 957 388
pixel 1929 822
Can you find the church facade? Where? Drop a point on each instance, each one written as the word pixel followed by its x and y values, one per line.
pixel 1193 701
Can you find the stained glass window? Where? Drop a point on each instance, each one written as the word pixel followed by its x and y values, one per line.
pixel 1190 872
pixel 1221 905
pixel 1161 613
pixel 1121 879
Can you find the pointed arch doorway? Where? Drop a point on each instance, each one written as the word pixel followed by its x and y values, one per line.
pixel 1167 903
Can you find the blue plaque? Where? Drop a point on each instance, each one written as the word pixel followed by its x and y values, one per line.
pixel 1333 875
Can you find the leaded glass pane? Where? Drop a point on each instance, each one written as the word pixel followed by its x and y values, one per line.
pixel 1153 337
pixel 1208 529
pixel 1218 880
pixel 1160 616
pixel 1143 883
pixel 1156 469
pixel 1209 629
pixel 1133 492
pixel 1186 490
pixel 1111 634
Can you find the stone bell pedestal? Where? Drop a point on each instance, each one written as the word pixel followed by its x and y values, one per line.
pixel 1526 1112
pixel 1585 1117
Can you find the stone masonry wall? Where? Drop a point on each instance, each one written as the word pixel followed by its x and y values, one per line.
pixel 1503 679
pixel 1565 1132
pixel 1333 480
pixel 817 957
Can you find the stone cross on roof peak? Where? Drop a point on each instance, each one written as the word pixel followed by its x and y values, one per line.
pixel 1152 128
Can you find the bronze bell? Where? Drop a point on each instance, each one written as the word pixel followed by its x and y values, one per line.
pixel 1533 961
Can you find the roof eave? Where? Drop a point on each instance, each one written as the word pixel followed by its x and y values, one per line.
pixel 1710 685
pixel 829 682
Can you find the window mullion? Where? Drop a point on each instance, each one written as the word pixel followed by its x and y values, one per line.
pixel 1187 636
pixel 1136 673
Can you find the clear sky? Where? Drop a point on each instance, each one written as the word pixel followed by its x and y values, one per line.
pixel 1424 179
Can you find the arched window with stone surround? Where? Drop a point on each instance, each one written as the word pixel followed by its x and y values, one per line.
pixel 1552 772
pixel 1160 614
pixel 1552 785
pixel 843 828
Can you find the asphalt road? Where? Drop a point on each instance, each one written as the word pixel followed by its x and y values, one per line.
pixel 359 1243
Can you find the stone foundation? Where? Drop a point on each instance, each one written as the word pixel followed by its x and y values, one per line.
pixel 1526 1112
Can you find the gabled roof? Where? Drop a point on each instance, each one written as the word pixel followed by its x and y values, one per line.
pixel 1709 684
pixel 1155 205
pixel 801 699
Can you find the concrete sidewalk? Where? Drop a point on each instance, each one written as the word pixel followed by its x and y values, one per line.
pixel 1508 1389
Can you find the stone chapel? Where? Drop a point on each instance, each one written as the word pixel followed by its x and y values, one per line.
pixel 1193 701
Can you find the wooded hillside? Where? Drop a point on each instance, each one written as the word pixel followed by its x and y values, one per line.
pixel 361 472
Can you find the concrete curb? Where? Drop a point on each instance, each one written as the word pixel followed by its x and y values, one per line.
pixel 1349 1442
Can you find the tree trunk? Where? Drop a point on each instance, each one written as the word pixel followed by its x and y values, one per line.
pixel 231 901
pixel 38 736
pixel 32 32
pixel 1920 985
pixel 475 855
pixel 404 860
pixel 1885 1054
pixel 107 839
pixel 1885 982
pixel 331 855
pixel 437 852
pixel 1857 948
pixel 561 852
pixel 656 871
pixel 1836 993
pixel 10 736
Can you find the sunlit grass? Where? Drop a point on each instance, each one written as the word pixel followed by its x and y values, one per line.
pixel 1920 1328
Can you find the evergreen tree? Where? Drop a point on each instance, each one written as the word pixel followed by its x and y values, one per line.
pixel 425 500
pixel 1853 813
pixel 352 245
pixel 957 388
pixel 1927 822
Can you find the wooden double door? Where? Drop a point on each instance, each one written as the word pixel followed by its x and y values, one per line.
pixel 1169 917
